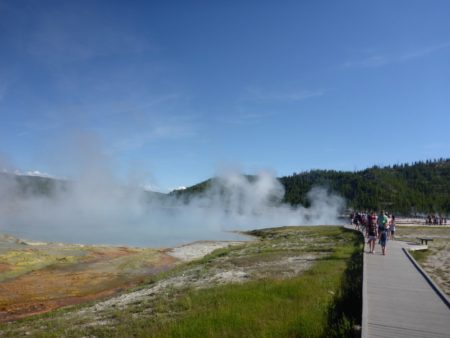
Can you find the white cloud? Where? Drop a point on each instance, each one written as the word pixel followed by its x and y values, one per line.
pixel 59 38
pixel 245 112
pixel 158 132
pixel 371 61
pixel 35 173
pixel 422 52
pixel 243 118
pixel 382 59
pixel 291 95
pixel 151 187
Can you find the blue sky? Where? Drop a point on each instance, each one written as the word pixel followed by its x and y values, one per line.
pixel 170 92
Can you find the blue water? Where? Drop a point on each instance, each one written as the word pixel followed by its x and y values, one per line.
pixel 131 238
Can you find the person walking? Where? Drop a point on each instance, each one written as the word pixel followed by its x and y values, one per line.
pixel 392 228
pixel 372 231
pixel 383 228
pixel 364 222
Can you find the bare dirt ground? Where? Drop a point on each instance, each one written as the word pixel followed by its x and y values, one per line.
pixel 436 260
pixel 40 277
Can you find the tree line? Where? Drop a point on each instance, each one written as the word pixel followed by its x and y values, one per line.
pixel 420 187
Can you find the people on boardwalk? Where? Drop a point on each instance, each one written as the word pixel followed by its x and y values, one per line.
pixel 372 231
pixel 357 221
pixel 383 228
pixel 363 222
pixel 433 219
pixel 392 227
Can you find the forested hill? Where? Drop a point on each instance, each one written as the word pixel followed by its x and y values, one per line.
pixel 407 188
pixel 14 186
pixel 421 187
pixel 24 185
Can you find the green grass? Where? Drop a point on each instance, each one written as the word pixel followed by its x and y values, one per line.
pixel 297 307
pixel 323 301
pixel 266 308
pixel 420 255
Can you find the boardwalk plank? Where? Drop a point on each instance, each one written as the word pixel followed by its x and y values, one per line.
pixel 400 302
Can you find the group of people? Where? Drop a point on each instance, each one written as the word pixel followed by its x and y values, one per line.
pixel 435 220
pixel 381 227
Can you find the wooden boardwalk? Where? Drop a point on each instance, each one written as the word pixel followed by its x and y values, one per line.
pixel 398 301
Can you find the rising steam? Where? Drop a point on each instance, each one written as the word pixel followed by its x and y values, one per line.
pixel 94 209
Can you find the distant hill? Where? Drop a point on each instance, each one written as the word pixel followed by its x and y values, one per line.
pixel 28 186
pixel 201 187
pixel 24 185
pixel 421 187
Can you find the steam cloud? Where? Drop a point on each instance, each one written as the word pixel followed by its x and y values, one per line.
pixel 95 210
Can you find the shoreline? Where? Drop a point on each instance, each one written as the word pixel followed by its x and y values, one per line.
pixel 31 242
pixel 184 252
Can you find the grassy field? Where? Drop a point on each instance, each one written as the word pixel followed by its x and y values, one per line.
pixel 436 260
pixel 291 282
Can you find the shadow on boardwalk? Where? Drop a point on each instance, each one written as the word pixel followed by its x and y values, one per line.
pixel 398 301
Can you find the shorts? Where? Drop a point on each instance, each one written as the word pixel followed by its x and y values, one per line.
pixel 372 238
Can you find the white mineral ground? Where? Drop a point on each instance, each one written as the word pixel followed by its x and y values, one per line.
pixel 199 249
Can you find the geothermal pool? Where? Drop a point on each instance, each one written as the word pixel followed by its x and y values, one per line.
pixel 92 212
pixel 131 237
